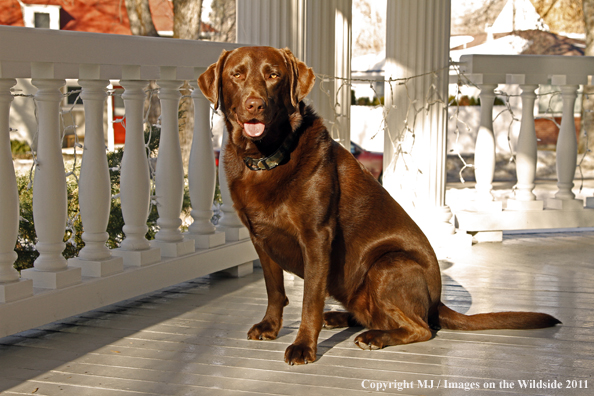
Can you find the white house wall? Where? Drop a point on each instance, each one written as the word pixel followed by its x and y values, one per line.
pixel 22 119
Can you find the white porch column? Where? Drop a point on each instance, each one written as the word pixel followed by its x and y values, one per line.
pixel 11 287
pixel 526 156
pixel 566 154
pixel 318 32
pixel 328 52
pixel 202 176
pixel 274 23
pixel 417 43
pixel 169 178
pixel 134 181
pixel 49 193
pixel 95 258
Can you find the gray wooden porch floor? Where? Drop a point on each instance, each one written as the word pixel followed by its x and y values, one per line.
pixel 191 339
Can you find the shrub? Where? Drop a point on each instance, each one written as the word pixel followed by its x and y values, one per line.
pixel 365 101
pixel 20 149
pixel 472 101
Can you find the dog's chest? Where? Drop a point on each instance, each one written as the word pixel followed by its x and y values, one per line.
pixel 274 228
pixel 270 223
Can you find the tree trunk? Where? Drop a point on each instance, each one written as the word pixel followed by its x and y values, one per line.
pixel 186 19
pixel 587 122
pixel 222 19
pixel 152 104
pixel 140 17
pixel 186 25
pixel 186 124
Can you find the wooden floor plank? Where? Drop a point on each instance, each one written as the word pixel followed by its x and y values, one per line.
pixel 190 339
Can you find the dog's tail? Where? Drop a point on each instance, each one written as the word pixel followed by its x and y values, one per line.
pixel 452 320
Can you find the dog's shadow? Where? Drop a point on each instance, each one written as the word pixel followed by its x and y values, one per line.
pixel 453 294
pixel 338 336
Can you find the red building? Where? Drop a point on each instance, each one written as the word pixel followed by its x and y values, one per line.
pixel 99 16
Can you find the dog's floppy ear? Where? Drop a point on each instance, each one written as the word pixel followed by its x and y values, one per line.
pixel 302 78
pixel 210 81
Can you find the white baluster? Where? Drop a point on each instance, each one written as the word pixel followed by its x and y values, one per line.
pixel 484 155
pixel 202 176
pixel 484 152
pixel 134 181
pixel 49 193
pixel 566 154
pixel 11 287
pixel 229 223
pixel 94 188
pixel 526 155
pixel 170 176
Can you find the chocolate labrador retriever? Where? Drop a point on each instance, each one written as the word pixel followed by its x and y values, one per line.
pixel 313 210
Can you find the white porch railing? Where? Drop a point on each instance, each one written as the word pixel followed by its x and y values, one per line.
pixel 56 288
pixel 525 211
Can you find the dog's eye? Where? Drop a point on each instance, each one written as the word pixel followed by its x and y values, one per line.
pixel 237 75
pixel 274 76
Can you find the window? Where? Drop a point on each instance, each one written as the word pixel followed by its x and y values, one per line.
pixel 41 16
pixel 72 97
pixel 42 20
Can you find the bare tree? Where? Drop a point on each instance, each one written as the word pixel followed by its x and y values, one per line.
pixel 561 15
pixel 186 25
pixel 587 122
pixel 575 16
pixel 479 16
pixel 186 19
pixel 222 19
pixel 140 17
pixel 369 28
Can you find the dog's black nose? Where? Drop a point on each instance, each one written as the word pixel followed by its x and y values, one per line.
pixel 254 105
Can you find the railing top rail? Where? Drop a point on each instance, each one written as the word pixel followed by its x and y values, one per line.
pixel 556 69
pixel 75 51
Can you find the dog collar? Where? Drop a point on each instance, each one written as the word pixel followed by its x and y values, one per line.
pixel 274 160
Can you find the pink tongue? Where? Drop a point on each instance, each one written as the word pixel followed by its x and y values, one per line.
pixel 254 129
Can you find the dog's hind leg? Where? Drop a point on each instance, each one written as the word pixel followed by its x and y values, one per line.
pixel 393 304
pixel 336 319
pixel 408 332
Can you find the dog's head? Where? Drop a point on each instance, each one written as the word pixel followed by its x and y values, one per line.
pixel 256 88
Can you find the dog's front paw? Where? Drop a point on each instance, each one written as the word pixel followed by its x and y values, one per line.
pixel 300 354
pixel 263 331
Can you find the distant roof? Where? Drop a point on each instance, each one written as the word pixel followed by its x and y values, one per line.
pixel 547 43
pixel 99 16
pixel 531 42
pixel 528 42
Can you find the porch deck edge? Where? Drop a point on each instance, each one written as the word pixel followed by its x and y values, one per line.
pixel 47 306
pixel 509 220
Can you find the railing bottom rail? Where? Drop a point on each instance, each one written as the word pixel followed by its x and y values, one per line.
pixel 496 221
pixel 46 306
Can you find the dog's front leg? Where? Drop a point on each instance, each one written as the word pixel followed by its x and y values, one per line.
pixel 316 266
pixel 272 322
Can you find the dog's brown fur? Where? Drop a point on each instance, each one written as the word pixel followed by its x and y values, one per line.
pixel 323 217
